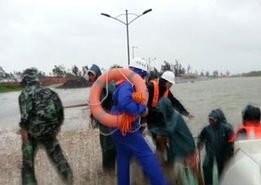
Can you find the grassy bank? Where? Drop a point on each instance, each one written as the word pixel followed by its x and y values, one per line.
pixel 9 88
pixel 15 87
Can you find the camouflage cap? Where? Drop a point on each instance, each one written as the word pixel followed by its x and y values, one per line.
pixel 29 76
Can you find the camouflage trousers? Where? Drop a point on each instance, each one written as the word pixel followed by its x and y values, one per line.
pixel 55 155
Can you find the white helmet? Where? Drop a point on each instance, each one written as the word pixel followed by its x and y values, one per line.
pixel 169 76
pixel 139 63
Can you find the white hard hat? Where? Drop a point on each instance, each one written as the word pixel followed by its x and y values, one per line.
pixel 139 63
pixel 169 76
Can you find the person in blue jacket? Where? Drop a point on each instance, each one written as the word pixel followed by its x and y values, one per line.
pixel 132 144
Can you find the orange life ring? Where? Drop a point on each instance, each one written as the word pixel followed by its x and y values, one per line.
pixel 98 112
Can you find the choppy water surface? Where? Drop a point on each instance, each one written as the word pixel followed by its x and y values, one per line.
pixel 228 94
pixel 10 116
pixel 81 145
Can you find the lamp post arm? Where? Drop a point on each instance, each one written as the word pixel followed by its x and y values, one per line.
pixel 118 20
pixel 135 18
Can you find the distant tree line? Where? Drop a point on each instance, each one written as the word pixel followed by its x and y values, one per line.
pixel 58 71
pixel 78 72
pixel 181 71
pixel 75 72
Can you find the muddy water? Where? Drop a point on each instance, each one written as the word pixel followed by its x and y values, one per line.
pixel 9 110
pixel 229 94
pixel 81 144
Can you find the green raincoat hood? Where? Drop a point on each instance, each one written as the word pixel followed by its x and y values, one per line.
pixel 95 70
pixel 217 115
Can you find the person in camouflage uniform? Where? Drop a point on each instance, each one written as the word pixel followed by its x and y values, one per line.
pixel 41 118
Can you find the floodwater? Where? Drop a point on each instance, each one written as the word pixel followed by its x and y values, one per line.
pixel 10 115
pixel 81 144
pixel 229 94
pixel 199 98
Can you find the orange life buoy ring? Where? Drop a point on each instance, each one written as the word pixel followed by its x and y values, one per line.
pixel 98 112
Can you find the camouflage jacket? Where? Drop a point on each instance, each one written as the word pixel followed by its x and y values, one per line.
pixel 41 111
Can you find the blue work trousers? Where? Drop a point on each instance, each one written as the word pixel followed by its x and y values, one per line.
pixel 133 144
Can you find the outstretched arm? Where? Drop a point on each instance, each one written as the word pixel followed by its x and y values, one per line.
pixel 179 107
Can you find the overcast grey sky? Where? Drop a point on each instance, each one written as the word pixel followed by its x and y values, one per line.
pixel 207 34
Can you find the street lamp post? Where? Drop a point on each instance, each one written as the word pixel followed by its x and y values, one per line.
pixel 127 23
pixel 150 60
pixel 133 47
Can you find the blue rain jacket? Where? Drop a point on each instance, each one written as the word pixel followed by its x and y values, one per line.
pixel 123 102
pixel 133 144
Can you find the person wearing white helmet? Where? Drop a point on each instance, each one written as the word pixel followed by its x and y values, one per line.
pixel 139 66
pixel 157 89
pixel 160 127
pixel 161 88
pixel 169 76
pixel 132 143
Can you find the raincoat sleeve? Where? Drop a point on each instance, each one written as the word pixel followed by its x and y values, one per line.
pixel 202 138
pixel 125 102
pixel 229 145
pixel 177 105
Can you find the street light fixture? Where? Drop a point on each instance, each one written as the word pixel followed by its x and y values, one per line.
pixel 127 23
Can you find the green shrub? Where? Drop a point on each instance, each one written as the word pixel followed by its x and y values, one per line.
pixel 9 87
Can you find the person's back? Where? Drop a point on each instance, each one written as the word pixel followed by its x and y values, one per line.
pixel 47 112
pixel 41 117
pixel 180 138
pixel 181 142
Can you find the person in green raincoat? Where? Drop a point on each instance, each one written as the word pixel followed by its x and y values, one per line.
pixel 107 146
pixel 216 138
pixel 181 143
